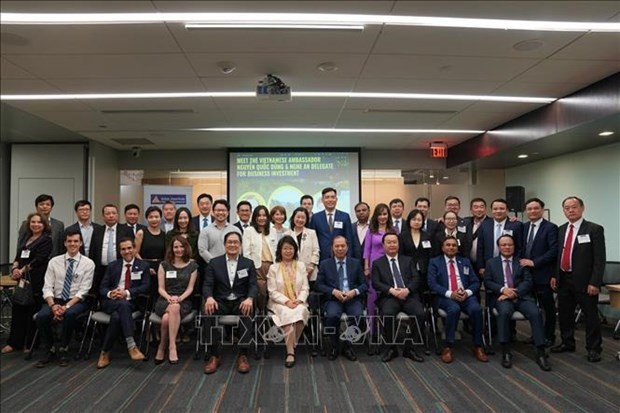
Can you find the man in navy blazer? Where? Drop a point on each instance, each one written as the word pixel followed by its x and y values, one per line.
pixel 490 231
pixel 511 287
pixel 229 289
pixel 456 284
pixel 123 282
pixel 540 252
pixel 330 222
pixel 360 229
pixel 398 283
pixel 341 281
pixel 430 226
pixel 578 277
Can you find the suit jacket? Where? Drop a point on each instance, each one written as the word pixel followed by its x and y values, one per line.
pixel 494 279
pixel 321 226
pixel 57 235
pixel 473 238
pixel 462 238
pixel 438 279
pixel 76 227
pixel 195 221
pixel 138 227
pixel 113 275
pixel 383 280
pixel 432 226
pixel 253 245
pixel 239 225
pixel 308 250
pixel 96 243
pixel 588 258
pixel 420 254
pixel 328 277
pixel 544 251
pixel 486 239
pixel 358 244
pixel 217 283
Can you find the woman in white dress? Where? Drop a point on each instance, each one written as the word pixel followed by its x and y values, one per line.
pixel 307 241
pixel 287 283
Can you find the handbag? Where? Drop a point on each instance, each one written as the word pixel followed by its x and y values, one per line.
pixel 23 294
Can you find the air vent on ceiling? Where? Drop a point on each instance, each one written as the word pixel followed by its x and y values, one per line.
pixel 411 111
pixel 145 111
pixel 133 141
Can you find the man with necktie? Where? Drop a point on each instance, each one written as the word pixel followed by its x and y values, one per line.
pixel 397 207
pixel 132 215
pixel 330 222
pixel 511 287
pixel 430 226
pixel 578 277
pixel 204 219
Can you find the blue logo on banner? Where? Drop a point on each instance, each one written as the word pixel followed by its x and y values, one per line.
pixel 160 199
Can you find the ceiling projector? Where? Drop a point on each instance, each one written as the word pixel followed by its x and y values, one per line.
pixel 273 88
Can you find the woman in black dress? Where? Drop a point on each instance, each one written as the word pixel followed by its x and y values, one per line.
pixel 416 243
pixel 449 227
pixel 183 226
pixel 151 244
pixel 30 263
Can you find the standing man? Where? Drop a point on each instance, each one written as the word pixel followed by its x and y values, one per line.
pixel 84 225
pixel 132 214
pixel 540 255
pixel 578 277
pixel 244 212
pixel 168 211
pixel 211 239
pixel 341 281
pixel 453 203
pixel 478 209
pixel 125 279
pixel 429 226
pixel 360 228
pixel 44 204
pixel 397 282
pixel 67 281
pixel 330 222
pixel 511 286
pixel 204 219
pixel 397 206
pixel 307 202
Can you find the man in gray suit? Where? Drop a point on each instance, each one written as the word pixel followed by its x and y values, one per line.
pixel 44 204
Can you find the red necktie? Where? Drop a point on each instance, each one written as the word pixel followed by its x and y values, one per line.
pixel 128 276
pixel 567 251
pixel 453 282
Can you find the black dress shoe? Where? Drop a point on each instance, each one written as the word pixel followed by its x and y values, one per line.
pixel 507 360
pixel 543 362
pixel 63 359
pixel 549 342
pixel 333 354
pixel 563 348
pixel 389 354
pixel 413 355
pixel 594 356
pixel 349 354
pixel 45 360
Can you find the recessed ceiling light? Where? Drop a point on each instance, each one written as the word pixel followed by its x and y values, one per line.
pixel 445 177
pixel 431 176
pixel 327 67
pixel 606 133
pixel 523 156
pixel 528 45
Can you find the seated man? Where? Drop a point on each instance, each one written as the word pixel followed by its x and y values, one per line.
pixel 123 282
pixel 397 282
pixel 67 280
pixel 341 281
pixel 511 285
pixel 454 280
pixel 229 289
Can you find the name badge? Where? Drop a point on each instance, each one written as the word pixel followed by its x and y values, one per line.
pixel 466 270
pixel 426 244
pixel 242 273
pixel 171 274
pixel 461 229
pixel 22 283
pixel 136 275
pixel 583 239
pixel 25 254
pixel 338 224
pixel 458 242
pixel 507 232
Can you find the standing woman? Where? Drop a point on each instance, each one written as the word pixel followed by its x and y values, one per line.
pixel 30 263
pixel 287 283
pixel 416 243
pixel 380 223
pixel 151 245
pixel 259 245
pixel 183 226
pixel 449 228
pixel 307 242
pixel 278 218
pixel 177 276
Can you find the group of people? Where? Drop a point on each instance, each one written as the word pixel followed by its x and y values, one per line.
pixel 382 263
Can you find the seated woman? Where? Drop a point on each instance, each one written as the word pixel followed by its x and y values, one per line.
pixel 177 276
pixel 287 283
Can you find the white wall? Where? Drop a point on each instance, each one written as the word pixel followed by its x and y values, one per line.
pixel 592 175
pixel 104 178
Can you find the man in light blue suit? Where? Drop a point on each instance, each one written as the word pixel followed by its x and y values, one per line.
pixel 331 222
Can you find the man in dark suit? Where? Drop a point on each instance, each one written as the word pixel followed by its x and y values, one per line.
pixel 132 215
pixel 341 281
pixel 125 279
pixel 578 277
pixel 330 222
pixel 492 229
pixel 454 280
pixel 397 282
pixel 478 209
pixel 84 225
pixel 167 220
pixel 397 207
pixel 453 203
pixel 204 219
pixel 244 212
pixel 430 226
pixel 540 254
pixel 360 229
pixel 105 242
pixel 229 289
pixel 44 204
pixel 511 286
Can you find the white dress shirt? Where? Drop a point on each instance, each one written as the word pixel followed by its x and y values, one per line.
pixel 83 272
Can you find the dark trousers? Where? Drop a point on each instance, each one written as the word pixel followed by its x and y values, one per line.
pixel 22 325
pixel 544 296
pixel 45 318
pixel 333 310
pixel 568 298
pixel 506 308
pixel 97 278
pixel 390 307
pixel 453 309
pixel 121 321
pixel 214 332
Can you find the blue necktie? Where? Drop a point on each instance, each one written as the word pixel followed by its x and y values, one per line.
pixel 205 222
pixel 66 288
pixel 498 233
pixel 397 277
pixel 111 253
pixel 344 283
pixel 530 241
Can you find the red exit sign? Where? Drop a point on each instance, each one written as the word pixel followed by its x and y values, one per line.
pixel 439 150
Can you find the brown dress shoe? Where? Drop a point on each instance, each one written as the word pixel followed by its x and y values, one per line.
pixel 212 364
pixel 104 360
pixel 243 366
pixel 446 355
pixel 480 355
pixel 135 354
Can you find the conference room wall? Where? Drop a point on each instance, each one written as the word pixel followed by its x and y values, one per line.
pixel 593 175
pixel 5 175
